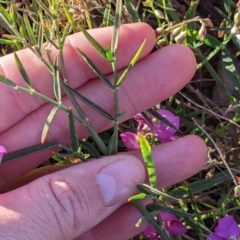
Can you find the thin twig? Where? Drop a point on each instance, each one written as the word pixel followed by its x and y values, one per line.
pixel 219 151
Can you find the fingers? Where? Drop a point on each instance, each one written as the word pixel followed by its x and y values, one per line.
pixel 179 160
pixel 16 105
pixel 159 75
pixel 174 162
pixel 67 204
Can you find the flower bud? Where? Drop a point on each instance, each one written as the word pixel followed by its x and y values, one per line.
pixel 202 33
pixel 159 14
pixel 207 22
pixel 176 32
pixel 159 31
pixel 180 37
pixel 237 19
pixel 162 43
pixel 235 30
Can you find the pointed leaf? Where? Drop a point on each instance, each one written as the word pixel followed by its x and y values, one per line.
pixel 27 151
pixel 23 71
pixel 230 69
pixel 131 64
pixel 160 207
pixel 90 103
pixel 147 157
pixel 56 81
pixel 107 14
pixel 89 147
pixel 29 28
pixel 94 43
pixel 48 123
pixel 45 9
pixel 82 118
pixel 116 30
pixel 7 81
pixel 139 196
pixel 111 145
pixel 96 70
pixel 153 191
pixel 132 11
pixel 73 132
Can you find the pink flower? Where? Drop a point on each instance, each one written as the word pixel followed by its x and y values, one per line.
pixel 130 140
pixel 2 152
pixel 227 228
pixel 171 223
pixel 162 131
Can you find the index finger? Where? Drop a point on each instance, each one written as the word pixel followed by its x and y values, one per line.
pixel 78 73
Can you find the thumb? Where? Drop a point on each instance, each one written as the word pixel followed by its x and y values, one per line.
pixel 65 204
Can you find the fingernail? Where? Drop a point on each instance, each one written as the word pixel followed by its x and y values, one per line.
pixel 117 181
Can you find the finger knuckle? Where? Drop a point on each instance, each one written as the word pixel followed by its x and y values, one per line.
pixel 69 202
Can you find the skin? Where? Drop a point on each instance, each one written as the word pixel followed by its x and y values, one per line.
pixel 70 203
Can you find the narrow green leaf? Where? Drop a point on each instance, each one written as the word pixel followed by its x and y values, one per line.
pixel 94 43
pixel 223 14
pixel 89 147
pixel 67 13
pixel 89 103
pixel 201 185
pixel 73 132
pixel 40 36
pixel 48 123
pixel 144 188
pixel 79 110
pixel 131 64
pixel 132 11
pixel 66 33
pixel 191 13
pixel 5 22
pixel 95 69
pixel 29 29
pixel 217 48
pixel 106 14
pixel 139 196
pixel 147 157
pixel 56 81
pixel 111 145
pixel 230 69
pixel 83 119
pixel 6 41
pixel 162 233
pixel 160 207
pixel 23 72
pixel 7 81
pixel 116 30
pixel 27 151
pixel 12 37
pixel 45 9
pixel 215 76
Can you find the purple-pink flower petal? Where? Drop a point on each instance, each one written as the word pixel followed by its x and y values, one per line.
pixel 226 229
pixel 130 140
pixel 151 233
pixel 213 236
pixel 171 223
pixel 2 152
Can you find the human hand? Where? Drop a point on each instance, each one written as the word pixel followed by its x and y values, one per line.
pixel 88 201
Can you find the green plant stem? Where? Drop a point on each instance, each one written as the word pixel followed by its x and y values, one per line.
pixel 85 122
pixel 145 212
pixel 116 107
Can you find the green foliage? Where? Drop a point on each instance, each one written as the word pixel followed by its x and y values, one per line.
pixel 39 27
